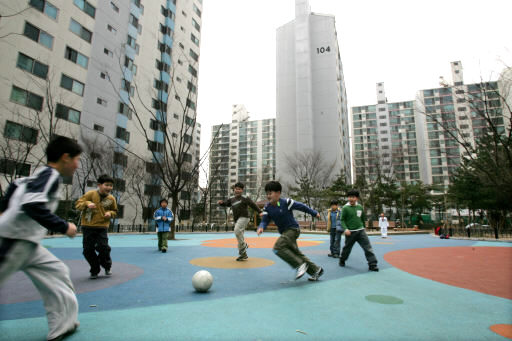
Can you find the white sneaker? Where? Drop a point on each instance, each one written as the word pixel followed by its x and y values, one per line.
pixel 301 270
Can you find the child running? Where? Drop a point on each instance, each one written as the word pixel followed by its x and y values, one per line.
pixel 27 213
pixel 239 205
pixel 280 210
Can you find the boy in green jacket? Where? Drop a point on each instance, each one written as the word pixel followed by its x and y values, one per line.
pixel 352 218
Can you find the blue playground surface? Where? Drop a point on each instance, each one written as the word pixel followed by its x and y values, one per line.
pixel 150 295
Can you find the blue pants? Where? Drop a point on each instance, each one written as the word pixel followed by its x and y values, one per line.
pixel 335 245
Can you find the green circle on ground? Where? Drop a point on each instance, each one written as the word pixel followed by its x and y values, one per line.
pixel 383 299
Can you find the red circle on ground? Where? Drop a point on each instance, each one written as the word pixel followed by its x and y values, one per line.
pixel 504 330
pixel 255 243
pixel 483 269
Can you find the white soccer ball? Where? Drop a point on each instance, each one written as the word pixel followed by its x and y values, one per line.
pixel 202 281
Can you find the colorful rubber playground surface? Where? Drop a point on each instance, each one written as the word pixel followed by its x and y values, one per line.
pixel 427 289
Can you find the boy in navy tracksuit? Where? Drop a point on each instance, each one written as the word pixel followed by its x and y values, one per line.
pixel 280 211
pixel 27 213
pixel 163 217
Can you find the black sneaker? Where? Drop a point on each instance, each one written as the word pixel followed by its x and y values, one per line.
pixel 108 272
pixel 330 255
pixel 317 274
pixel 164 250
pixel 93 276
pixel 336 256
pixel 342 262
pixel 242 258
pixel 373 268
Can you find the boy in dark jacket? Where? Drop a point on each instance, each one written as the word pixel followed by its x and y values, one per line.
pixel 239 205
pixel 280 211
pixel 163 217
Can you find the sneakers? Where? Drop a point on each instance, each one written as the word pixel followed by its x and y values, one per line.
pixel 242 257
pixel 66 334
pixel 330 255
pixel 342 262
pixel 317 274
pixel 373 268
pixel 336 256
pixel 108 272
pixel 301 270
pixel 164 250
pixel 93 276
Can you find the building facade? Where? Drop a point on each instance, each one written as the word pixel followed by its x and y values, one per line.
pixel 118 76
pixel 425 135
pixel 242 151
pixel 312 115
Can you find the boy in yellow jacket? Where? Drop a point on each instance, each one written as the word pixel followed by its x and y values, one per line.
pixel 98 207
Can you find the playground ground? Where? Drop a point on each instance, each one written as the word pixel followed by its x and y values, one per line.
pixel 427 289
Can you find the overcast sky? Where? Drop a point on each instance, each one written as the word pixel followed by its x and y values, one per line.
pixel 407 44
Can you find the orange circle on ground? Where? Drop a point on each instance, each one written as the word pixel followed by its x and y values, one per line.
pixel 255 243
pixel 484 269
pixel 231 263
pixel 504 330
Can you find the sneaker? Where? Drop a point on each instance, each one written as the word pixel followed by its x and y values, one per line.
pixel 317 274
pixel 301 270
pixel 93 276
pixel 108 272
pixel 373 268
pixel 342 262
pixel 336 256
pixel 164 250
pixel 242 258
pixel 330 255
pixel 66 334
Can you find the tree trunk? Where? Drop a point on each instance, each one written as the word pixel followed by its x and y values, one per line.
pixel 174 207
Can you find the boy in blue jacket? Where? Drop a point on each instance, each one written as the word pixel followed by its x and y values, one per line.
pixel 163 217
pixel 280 210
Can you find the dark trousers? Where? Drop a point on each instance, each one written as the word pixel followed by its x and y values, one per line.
pixel 287 249
pixel 362 238
pixel 95 239
pixel 335 244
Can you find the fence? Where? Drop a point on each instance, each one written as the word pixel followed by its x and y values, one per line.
pixel 478 232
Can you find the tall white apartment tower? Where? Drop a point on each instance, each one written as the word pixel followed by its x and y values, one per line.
pixel 312 114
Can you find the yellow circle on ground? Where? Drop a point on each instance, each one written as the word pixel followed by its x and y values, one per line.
pixel 231 263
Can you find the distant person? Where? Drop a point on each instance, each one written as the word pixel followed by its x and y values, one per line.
pixel 163 218
pixel 383 224
pixel 335 229
pixel 27 213
pixel 98 207
pixel 353 217
pixel 239 205
pixel 280 210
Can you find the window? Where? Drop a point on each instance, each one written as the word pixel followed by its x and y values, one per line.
pixel 67 113
pixel 159 105
pixel 123 134
pixel 37 35
pixel 194 39
pixel 26 98
pixel 181 46
pixel 194 55
pixel 108 52
pixel 162 66
pixel 120 159
pixel 34 67
pixel 86 7
pixel 72 85
pixel 167 12
pixel 192 71
pixel 20 132
pixel 76 57
pixel 98 128
pixel 164 48
pixel 125 110
pixel 152 189
pixel 101 101
pixel 198 12
pixel 80 31
pixel 155 146
pixel 196 25
pixel 134 21
pixel 126 86
pixel 114 7
pixel 103 75
pixel 111 29
pixel 165 30
pixel 160 85
pixel 12 167
pixel 45 7
pixel 191 104
pixel 128 63
pixel 191 87
pixel 119 185
pixel 156 125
